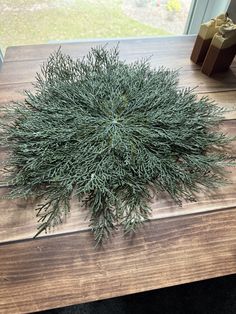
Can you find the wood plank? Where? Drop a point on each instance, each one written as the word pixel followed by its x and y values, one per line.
pixel 15 92
pixel 225 99
pixel 22 63
pixel 64 270
pixel 19 221
pixel 221 82
pixel 129 50
pixel 139 46
pixel 25 71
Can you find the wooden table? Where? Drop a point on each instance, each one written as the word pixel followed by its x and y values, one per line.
pixel 178 245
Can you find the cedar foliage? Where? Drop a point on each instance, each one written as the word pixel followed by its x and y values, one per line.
pixel 111 133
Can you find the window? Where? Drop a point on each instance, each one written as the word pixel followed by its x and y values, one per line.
pixel 202 11
pixel 41 21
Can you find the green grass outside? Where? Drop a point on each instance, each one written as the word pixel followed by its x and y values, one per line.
pixel 74 20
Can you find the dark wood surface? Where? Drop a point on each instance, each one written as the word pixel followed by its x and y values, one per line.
pixel 178 245
pixel 63 270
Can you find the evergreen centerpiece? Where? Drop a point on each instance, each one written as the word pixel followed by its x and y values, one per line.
pixel 110 133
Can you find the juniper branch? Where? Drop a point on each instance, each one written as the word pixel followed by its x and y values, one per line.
pixel 109 132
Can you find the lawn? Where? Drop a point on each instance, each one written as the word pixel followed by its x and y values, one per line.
pixel 39 21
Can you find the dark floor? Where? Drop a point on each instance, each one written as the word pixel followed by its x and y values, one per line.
pixel 215 296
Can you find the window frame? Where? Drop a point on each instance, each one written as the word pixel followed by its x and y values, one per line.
pixel 202 11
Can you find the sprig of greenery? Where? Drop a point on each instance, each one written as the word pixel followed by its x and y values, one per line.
pixel 110 133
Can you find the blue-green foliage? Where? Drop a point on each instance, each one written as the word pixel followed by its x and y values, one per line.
pixel 110 133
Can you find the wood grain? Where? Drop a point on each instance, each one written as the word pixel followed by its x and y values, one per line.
pixel 178 245
pixel 24 71
pixel 64 270
pixel 139 46
pixel 225 99
pixel 15 92
pixel 19 220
